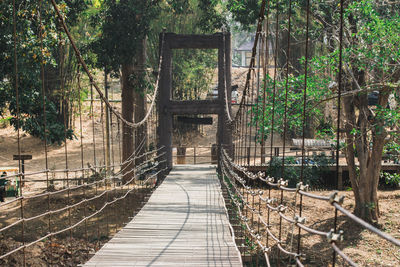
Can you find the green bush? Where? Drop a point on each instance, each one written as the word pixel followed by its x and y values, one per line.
pixel 315 168
pixel 33 124
pixel 391 179
pixel 391 151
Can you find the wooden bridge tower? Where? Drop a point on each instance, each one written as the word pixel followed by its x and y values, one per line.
pixel 167 107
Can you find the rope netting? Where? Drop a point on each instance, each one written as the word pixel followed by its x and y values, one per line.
pixel 69 199
pixel 271 215
pixel 88 190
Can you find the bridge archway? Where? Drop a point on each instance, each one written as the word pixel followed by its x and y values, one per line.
pixel 167 107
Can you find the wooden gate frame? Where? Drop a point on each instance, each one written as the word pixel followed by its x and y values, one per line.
pixel 167 107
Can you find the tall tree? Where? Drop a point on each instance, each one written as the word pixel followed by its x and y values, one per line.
pixel 372 63
pixel 58 64
pixel 122 46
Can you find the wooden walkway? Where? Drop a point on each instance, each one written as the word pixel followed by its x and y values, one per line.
pixel 183 224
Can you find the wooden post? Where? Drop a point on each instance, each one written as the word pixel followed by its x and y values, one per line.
pixel 262 155
pixel 22 158
pixel 248 156
pixel 214 154
pixel 340 179
pixel 227 138
pixel 127 114
pixel 165 117
pixel 194 155
pixel 168 107
pixel 140 102
pixel 276 150
pixel 107 124
pixel 224 135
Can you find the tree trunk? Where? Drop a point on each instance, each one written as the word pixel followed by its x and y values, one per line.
pixel 133 102
pixel 359 117
pixel 364 181
pixel 127 71
pixel 368 151
pixel 140 102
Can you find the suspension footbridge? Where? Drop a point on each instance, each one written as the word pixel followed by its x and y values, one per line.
pixel 119 207
pixel 184 223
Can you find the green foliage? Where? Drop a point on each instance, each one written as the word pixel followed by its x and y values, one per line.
pixel 324 129
pixel 212 16
pixel 193 71
pixel 245 12
pixel 30 56
pixel 391 150
pixel 124 24
pixel 316 91
pixel 391 179
pixel 56 132
pixel 371 37
pixel 314 169
pixel 378 28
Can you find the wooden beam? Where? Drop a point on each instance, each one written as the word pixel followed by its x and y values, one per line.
pixel 22 157
pixel 168 107
pixel 195 107
pixel 195 120
pixel 193 41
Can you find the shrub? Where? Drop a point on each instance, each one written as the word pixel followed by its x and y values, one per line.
pixel 391 179
pixel 315 168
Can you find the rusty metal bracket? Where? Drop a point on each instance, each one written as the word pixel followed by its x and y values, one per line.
pixel 335 198
pixel 299 219
pixel 334 237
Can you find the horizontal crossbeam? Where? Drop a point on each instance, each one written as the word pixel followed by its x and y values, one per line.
pixel 196 120
pixel 193 41
pixel 195 107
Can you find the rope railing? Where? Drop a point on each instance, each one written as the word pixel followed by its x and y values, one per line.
pixel 81 221
pixel 237 181
pixel 283 226
pixel 129 160
pixel 104 184
pixel 94 83
pixel 138 170
pixel 91 189
pixel 116 175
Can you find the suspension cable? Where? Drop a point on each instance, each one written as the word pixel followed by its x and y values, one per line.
pixel 340 88
pixel 94 83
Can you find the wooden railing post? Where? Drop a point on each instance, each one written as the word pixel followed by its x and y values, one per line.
pixel 194 155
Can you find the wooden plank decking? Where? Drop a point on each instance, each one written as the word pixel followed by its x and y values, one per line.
pixel 183 224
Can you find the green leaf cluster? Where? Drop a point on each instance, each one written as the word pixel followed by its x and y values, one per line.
pixel 275 109
pixel 33 52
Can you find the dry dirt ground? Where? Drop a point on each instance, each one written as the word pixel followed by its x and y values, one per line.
pixel 361 245
pixel 92 139
pixel 69 248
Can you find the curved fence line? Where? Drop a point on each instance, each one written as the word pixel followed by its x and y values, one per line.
pixel 236 181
